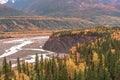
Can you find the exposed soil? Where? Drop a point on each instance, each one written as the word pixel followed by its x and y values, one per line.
pixel 63 44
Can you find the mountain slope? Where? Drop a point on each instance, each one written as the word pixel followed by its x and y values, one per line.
pixel 23 23
pixel 91 10
pixel 68 8
pixel 8 11
pixel 100 12
pixel 31 23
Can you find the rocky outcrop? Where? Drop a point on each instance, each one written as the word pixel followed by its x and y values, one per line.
pixel 63 44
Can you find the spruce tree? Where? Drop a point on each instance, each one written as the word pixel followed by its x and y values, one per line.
pixel 27 69
pixel 10 69
pixel 15 77
pixel 79 76
pixel 23 67
pixel 5 69
pixel 36 63
pixel 18 65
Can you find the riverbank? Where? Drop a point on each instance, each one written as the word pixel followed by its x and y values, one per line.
pixel 4 35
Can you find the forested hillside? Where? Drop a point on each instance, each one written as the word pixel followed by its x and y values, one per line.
pixel 62 41
pixel 98 59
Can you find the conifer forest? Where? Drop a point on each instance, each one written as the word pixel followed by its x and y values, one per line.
pixel 98 59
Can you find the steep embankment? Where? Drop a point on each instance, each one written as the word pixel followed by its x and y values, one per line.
pixel 61 42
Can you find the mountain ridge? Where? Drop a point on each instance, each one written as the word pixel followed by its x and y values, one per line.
pixel 98 12
pixel 55 7
pixel 9 11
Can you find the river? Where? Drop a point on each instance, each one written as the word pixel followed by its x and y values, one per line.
pixel 24 48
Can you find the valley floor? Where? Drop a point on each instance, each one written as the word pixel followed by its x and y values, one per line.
pixel 24 48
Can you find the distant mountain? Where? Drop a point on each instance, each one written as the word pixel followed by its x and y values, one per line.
pixel 8 11
pixel 110 1
pixel 69 8
pixel 99 12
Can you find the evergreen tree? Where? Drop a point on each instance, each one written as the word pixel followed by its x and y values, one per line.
pixel 5 69
pixel 18 65
pixel 23 67
pixel 27 69
pixel 15 77
pixel 79 76
pixel 36 63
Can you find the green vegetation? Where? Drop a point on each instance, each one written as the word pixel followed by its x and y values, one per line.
pixel 95 60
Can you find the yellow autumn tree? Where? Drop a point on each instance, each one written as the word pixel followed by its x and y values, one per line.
pixel 95 58
pixel 71 67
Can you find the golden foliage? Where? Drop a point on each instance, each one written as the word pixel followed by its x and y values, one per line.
pixel 19 76
pixel 116 35
pixel 95 58
pixel 81 66
pixel 113 51
pixel 71 67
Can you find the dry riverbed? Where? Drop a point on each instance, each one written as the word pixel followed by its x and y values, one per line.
pixel 24 48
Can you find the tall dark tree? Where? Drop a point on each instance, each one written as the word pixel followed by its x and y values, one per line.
pixel 36 67
pixel 18 65
pixel 5 69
